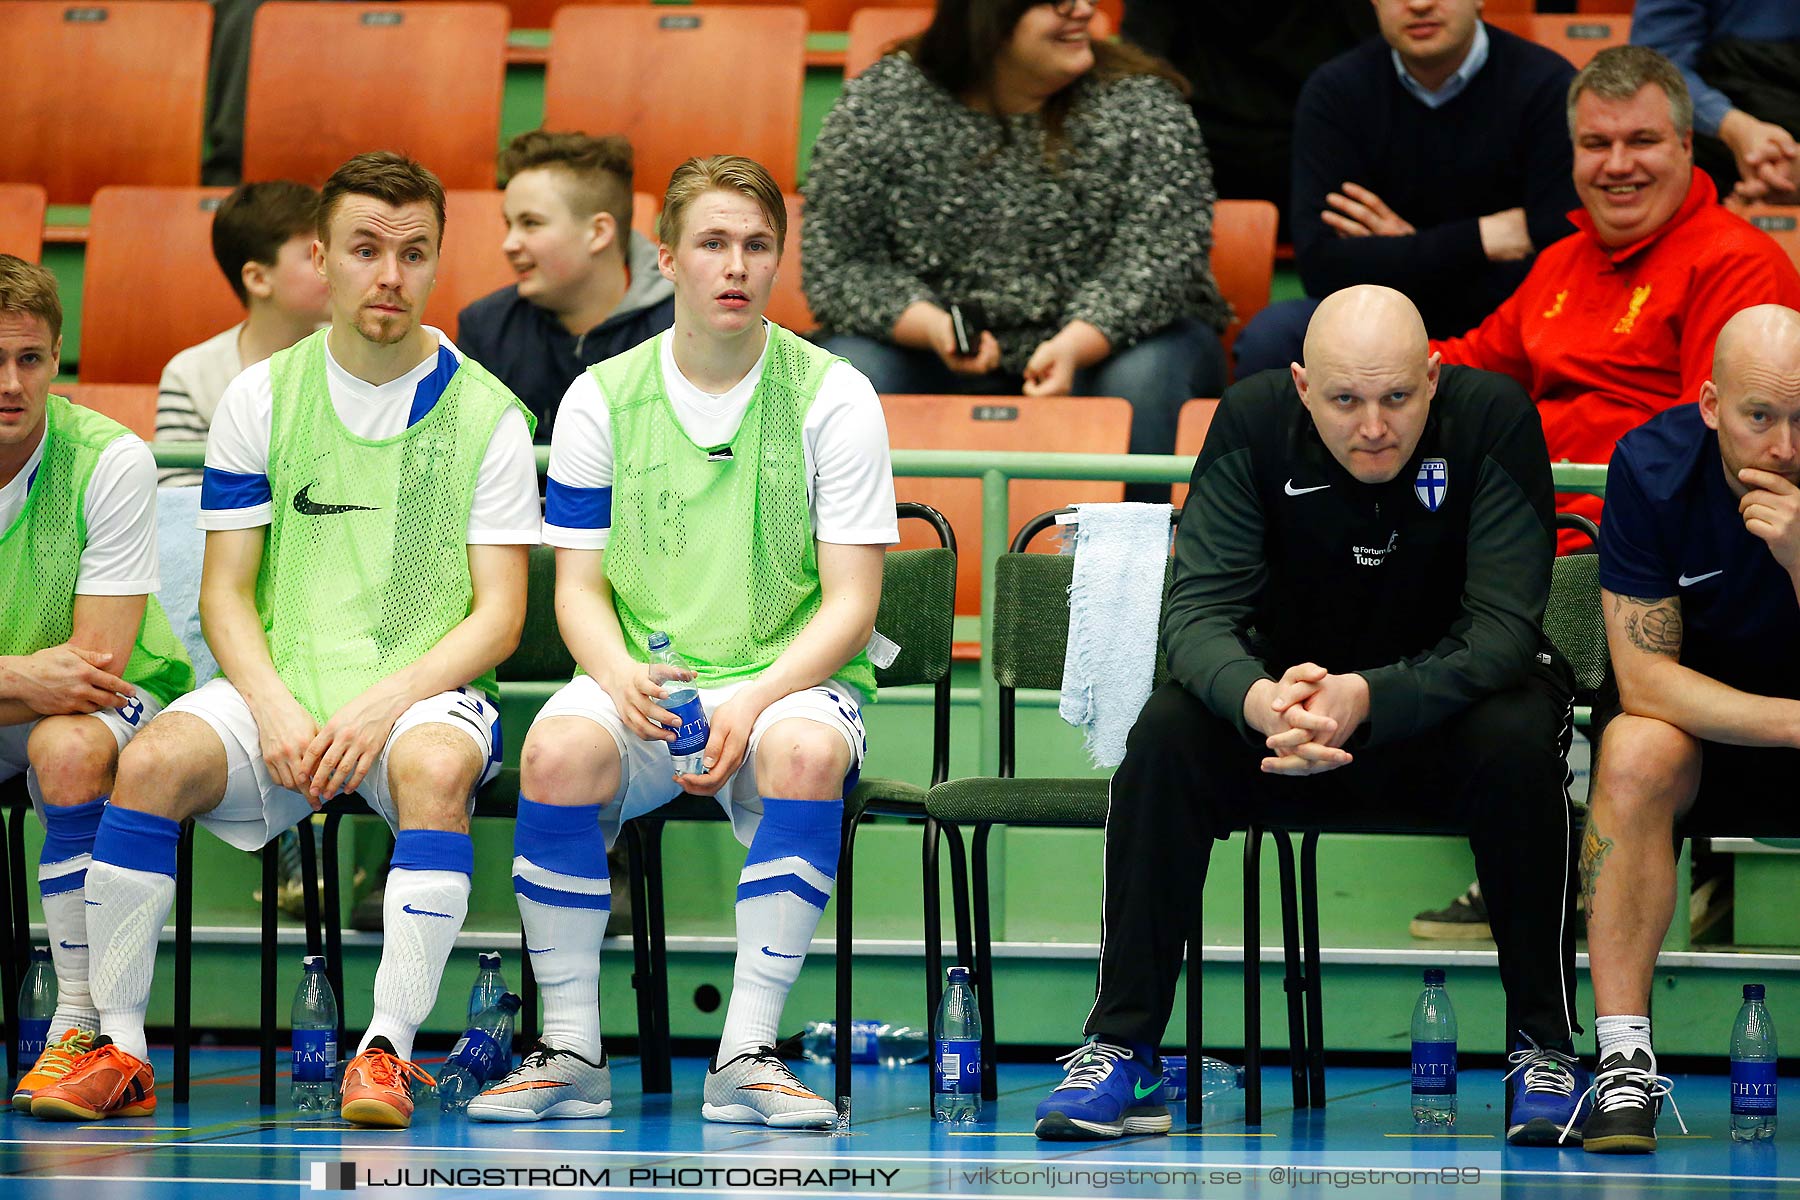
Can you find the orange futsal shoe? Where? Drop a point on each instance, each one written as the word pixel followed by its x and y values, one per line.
pixel 52 1064
pixel 105 1082
pixel 378 1088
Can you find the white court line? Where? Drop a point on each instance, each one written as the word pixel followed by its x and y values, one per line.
pixel 665 1156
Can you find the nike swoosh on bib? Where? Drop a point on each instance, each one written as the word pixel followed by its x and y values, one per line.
pixel 1291 490
pixel 1691 580
pixel 308 507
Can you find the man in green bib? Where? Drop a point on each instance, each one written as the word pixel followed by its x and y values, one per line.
pixel 726 484
pixel 369 497
pixel 86 655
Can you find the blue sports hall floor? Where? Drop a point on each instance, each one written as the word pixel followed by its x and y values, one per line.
pixel 1361 1144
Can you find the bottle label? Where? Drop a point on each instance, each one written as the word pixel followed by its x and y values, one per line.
pixel 1434 1068
pixel 34 1035
pixel 1752 1089
pixel 863 1041
pixel 315 1055
pixel 958 1065
pixel 691 729
pixel 476 1052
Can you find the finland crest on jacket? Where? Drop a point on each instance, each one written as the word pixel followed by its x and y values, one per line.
pixel 1432 483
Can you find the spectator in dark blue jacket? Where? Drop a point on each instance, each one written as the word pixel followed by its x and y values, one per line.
pixel 1434 160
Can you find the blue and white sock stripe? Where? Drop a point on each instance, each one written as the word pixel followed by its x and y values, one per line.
pixel 790 874
pixel 55 878
pixel 137 841
pixel 433 850
pixel 69 830
pixel 557 890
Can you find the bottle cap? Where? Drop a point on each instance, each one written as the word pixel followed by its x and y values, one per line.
pixel 659 640
pixel 1753 991
pixel 1434 977
pixel 313 962
pixel 489 958
pixel 958 974
pixel 508 1003
pixel 40 954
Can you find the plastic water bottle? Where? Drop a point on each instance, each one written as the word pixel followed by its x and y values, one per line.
pixel 870 1042
pixel 684 702
pixel 490 985
pixel 1753 1069
pixel 314 1064
pixel 1434 1054
pixel 956 1068
pixel 37 1005
pixel 475 1055
pixel 1217 1078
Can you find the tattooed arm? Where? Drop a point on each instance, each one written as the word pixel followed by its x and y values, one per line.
pixel 1644 636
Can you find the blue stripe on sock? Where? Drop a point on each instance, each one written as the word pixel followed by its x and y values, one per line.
pixel 777 884
pixel 137 841
pixel 565 840
pixel 433 850
pixel 557 898
pixel 69 832
pixel 810 829
pixel 62 883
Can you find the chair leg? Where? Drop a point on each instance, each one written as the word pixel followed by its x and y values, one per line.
pixel 334 917
pixel 1195 1045
pixel 527 1032
pixel 934 930
pixel 9 980
pixel 266 1068
pixel 641 966
pixel 660 1051
pixel 846 943
pixel 959 897
pixel 1253 976
pixel 184 958
pixel 21 909
pixel 984 964
pixel 1293 982
pixel 309 886
pixel 1315 979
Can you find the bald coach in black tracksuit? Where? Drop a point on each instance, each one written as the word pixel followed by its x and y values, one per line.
pixel 1432 587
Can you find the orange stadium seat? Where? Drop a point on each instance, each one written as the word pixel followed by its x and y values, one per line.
pixel 1781 222
pixel 471 263
pixel 97 94
pixel 683 81
pixel 1243 258
pixel 1576 37
pixel 22 220
pixel 1084 424
pixel 151 286
pixel 787 306
pixel 422 77
pixel 1190 436
pixel 132 405
pixel 538 14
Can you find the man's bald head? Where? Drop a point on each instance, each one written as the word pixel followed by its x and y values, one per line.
pixel 1753 397
pixel 1368 379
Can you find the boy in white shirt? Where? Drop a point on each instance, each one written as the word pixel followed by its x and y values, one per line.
pixel 748 473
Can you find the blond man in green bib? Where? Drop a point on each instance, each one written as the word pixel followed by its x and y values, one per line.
pixel 86 655
pixel 725 483
pixel 369 497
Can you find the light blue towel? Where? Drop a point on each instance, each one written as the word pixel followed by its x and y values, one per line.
pixel 1115 604
pixel 180 546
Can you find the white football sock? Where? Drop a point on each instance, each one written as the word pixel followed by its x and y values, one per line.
pixel 422 913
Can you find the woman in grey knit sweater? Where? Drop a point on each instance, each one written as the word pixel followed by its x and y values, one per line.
pixel 1059 185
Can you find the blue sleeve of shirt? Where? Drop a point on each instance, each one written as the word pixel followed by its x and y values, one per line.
pixel 1633 561
pixel 569 507
pixel 227 490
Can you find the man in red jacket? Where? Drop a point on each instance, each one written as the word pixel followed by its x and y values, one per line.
pixel 1616 322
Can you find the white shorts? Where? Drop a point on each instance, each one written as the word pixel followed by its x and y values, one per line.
pixel 256 808
pixel 122 722
pixel 646 777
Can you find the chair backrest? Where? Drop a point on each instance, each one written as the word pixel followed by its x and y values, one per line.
pixel 152 287
pixel 538 14
pixel 132 405
pixel 103 93
pixel 683 81
pixel 424 77
pixel 22 220
pixel 1243 258
pixel 470 264
pixel 1092 425
pixel 918 604
pixel 1781 222
pixel 1031 619
pixel 1577 37
pixel 787 304
pixel 541 654
pixel 1190 437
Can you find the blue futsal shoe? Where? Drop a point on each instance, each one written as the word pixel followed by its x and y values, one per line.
pixel 1552 1103
pixel 1109 1091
